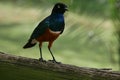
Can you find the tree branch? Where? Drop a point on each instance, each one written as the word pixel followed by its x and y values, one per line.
pixel 66 71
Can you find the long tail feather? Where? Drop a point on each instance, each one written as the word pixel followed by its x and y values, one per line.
pixel 29 45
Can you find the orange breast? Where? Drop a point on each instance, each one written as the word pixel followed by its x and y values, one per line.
pixel 48 36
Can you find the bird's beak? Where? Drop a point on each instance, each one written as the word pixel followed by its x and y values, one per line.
pixel 66 9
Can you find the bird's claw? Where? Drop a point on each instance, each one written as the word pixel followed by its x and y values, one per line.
pixel 54 61
pixel 42 60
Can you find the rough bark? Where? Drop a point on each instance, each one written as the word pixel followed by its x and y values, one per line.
pixel 67 72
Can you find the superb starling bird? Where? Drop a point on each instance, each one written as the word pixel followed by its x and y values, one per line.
pixel 49 29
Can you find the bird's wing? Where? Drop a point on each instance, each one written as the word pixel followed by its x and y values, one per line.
pixel 40 29
pixel 50 22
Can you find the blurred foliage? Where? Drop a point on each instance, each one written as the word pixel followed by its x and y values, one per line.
pixel 115 15
pixel 94 7
pixel 88 39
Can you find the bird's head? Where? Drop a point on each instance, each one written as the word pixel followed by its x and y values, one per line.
pixel 59 8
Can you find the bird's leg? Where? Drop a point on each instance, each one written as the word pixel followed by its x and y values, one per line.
pixel 41 58
pixel 52 55
pixel 49 48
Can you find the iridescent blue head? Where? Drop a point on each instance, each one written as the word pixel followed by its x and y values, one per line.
pixel 59 8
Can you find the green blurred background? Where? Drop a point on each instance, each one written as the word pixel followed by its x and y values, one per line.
pixel 89 38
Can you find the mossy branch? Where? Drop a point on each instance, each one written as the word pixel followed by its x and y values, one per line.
pixel 52 71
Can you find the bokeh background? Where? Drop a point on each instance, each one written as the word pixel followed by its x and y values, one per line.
pixel 90 38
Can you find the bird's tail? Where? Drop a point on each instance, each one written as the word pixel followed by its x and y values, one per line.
pixel 29 45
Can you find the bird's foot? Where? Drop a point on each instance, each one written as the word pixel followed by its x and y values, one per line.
pixel 54 61
pixel 42 60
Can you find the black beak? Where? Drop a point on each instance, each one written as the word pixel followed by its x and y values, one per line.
pixel 66 9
